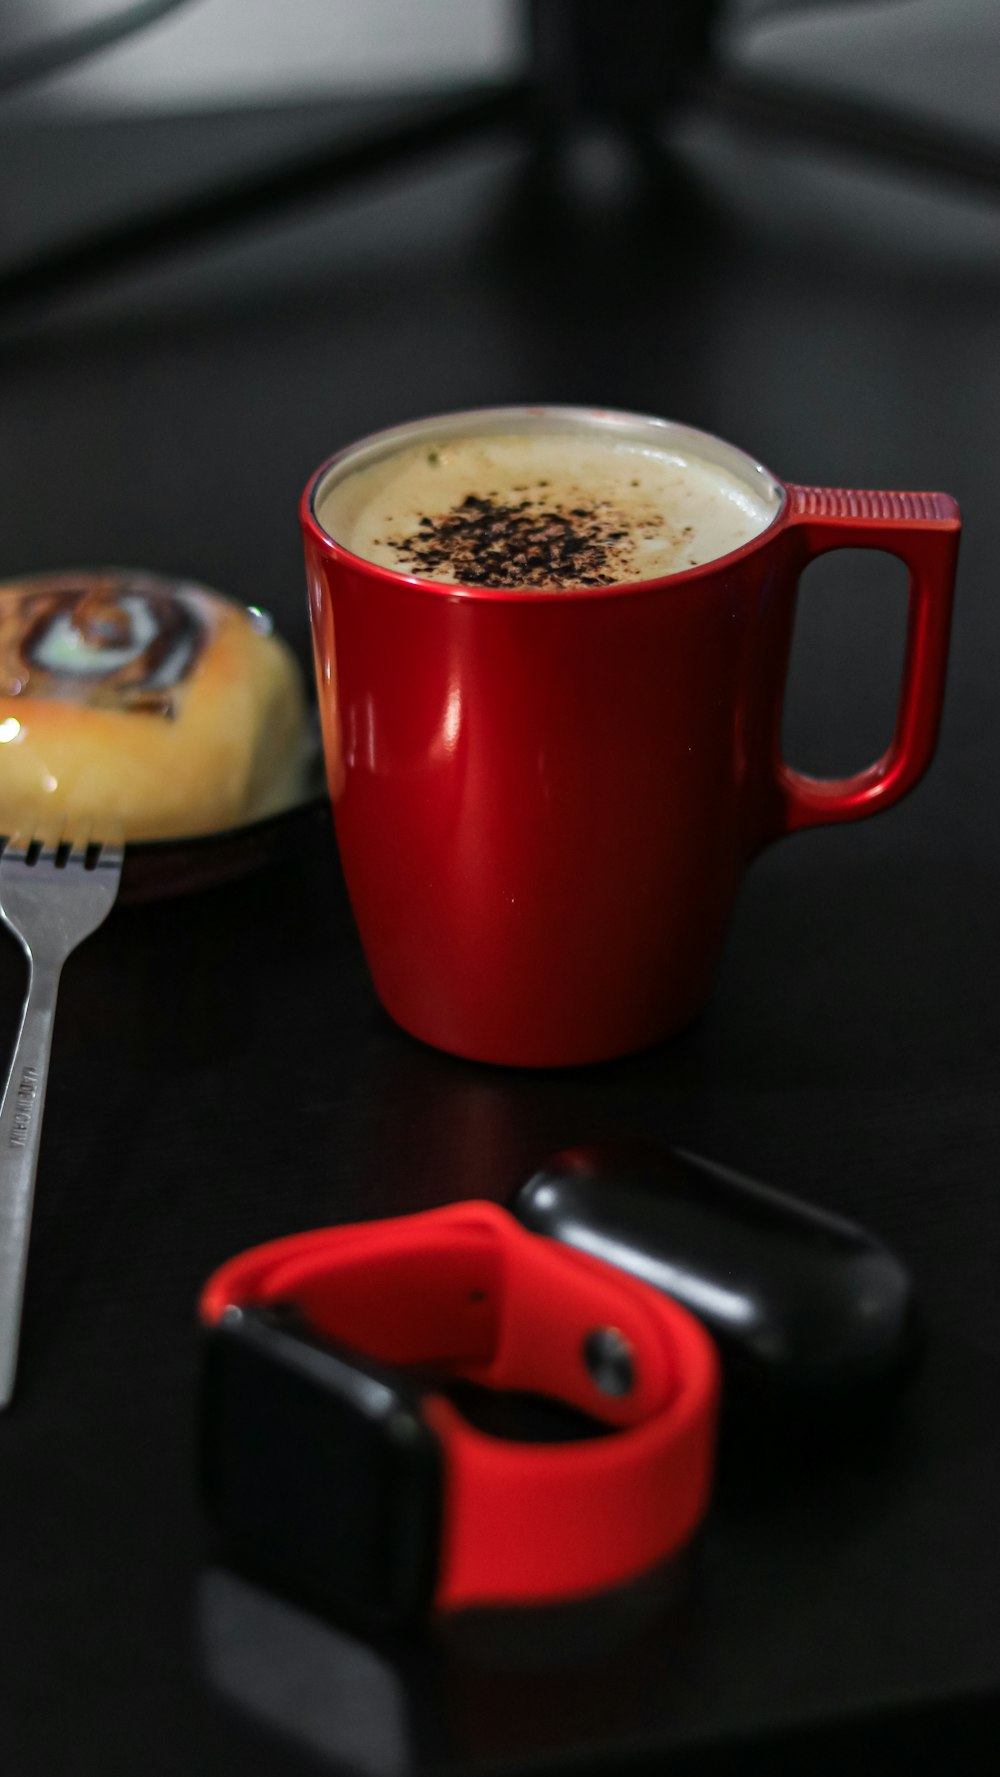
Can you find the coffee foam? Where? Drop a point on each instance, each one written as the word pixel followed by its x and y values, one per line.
pixel 556 510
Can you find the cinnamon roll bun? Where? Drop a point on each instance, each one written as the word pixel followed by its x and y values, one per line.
pixel 149 702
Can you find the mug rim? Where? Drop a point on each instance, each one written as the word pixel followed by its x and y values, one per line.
pixel 386 437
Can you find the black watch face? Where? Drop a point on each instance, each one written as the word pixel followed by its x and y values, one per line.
pixel 318 1467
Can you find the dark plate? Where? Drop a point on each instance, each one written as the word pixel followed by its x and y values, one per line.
pixel 162 867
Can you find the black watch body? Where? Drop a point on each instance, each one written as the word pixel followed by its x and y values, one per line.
pixel 319 1467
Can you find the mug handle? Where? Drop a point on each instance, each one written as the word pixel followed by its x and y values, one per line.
pixel 923 531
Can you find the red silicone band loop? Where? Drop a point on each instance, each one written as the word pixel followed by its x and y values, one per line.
pixel 467 1288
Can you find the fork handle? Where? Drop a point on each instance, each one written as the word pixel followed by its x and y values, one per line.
pixel 20 1137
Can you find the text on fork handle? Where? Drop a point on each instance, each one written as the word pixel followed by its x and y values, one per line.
pixel 26 1091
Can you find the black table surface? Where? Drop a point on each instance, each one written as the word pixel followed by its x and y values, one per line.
pixel 222 1072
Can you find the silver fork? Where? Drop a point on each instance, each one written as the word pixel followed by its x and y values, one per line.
pixel 51 898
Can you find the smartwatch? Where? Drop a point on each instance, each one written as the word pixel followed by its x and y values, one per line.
pixel 334 1457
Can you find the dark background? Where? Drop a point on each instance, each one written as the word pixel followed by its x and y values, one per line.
pixel 222 1073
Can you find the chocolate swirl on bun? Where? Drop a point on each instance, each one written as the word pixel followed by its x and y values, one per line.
pixel 106 642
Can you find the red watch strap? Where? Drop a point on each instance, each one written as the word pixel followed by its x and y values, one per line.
pixel 467 1289
pixel 540 1521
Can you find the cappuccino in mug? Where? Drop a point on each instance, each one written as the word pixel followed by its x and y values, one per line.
pixel 543 509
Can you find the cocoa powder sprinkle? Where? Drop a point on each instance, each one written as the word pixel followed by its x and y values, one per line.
pixel 484 541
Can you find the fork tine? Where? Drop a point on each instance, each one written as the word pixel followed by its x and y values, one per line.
pixel 112 844
pixel 78 840
pixel 17 845
pixel 45 836
pixel 49 832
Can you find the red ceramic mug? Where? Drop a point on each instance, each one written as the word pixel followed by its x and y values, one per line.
pixel 545 800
